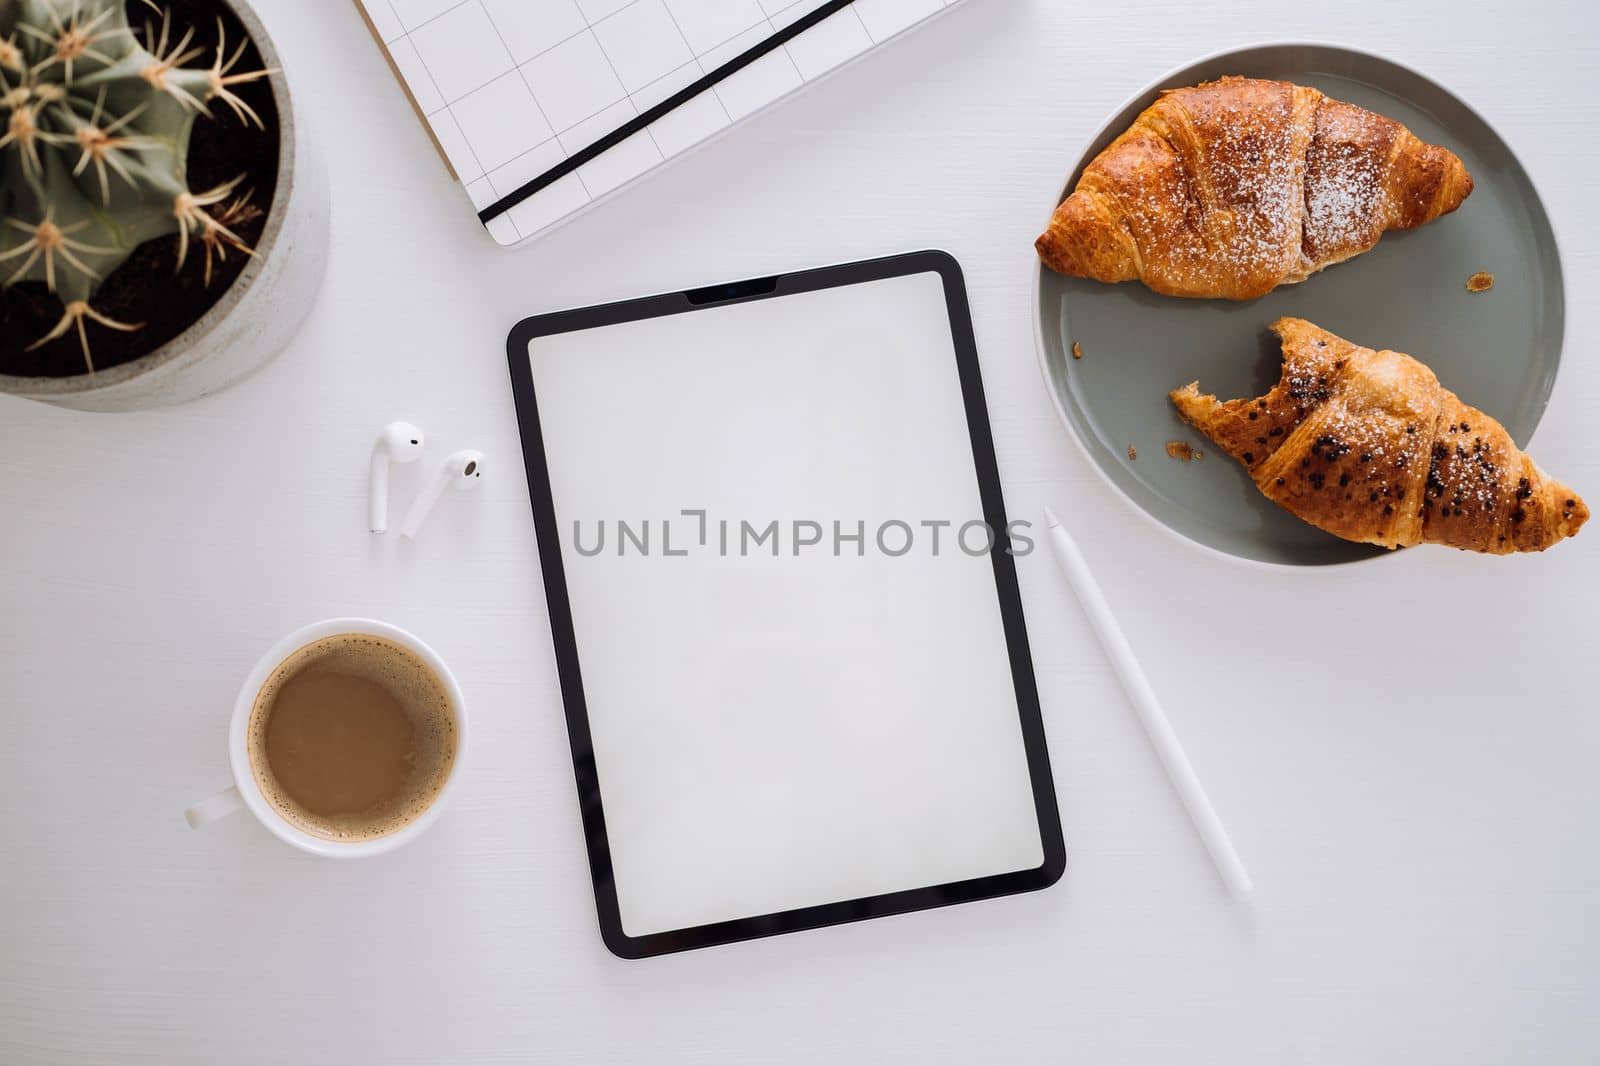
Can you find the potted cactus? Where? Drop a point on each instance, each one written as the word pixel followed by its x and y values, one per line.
pixel 163 222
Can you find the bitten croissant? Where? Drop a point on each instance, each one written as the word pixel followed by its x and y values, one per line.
pixel 1232 188
pixel 1370 447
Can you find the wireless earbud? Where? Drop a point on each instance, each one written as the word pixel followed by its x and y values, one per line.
pixel 461 472
pixel 400 442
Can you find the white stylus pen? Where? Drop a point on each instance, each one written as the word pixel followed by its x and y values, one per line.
pixel 1144 701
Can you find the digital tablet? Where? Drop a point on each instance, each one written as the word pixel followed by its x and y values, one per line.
pixel 784 604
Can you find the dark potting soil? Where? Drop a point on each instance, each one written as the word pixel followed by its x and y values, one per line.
pixel 148 287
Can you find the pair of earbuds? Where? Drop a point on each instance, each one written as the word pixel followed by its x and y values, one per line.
pixel 401 442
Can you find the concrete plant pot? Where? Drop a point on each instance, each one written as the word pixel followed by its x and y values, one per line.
pixel 257 315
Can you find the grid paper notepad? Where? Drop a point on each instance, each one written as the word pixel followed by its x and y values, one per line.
pixel 544 107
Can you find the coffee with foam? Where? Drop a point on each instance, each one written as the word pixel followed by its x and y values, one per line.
pixel 352 737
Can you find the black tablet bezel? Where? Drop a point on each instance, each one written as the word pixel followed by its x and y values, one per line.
pixel 565 641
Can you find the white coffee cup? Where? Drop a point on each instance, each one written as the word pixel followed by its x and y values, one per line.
pixel 246 793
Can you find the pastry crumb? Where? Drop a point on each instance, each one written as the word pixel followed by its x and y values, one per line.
pixel 1077 350
pixel 1482 281
pixel 1133 453
pixel 1180 451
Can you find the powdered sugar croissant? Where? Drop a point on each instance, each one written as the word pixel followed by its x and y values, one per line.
pixel 1370 447
pixel 1232 188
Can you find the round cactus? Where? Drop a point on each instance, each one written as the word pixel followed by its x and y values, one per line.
pixel 95 120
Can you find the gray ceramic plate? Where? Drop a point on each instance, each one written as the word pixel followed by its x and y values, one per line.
pixel 1498 350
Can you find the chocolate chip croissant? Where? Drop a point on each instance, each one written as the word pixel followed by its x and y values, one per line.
pixel 1370 447
pixel 1232 188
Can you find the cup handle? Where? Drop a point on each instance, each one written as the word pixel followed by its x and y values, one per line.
pixel 210 809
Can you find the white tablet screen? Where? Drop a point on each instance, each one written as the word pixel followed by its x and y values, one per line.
pixel 793 658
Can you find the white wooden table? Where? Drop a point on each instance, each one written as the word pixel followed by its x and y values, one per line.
pixel 1405 755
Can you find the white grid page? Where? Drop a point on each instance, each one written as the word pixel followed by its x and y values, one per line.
pixel 512 88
